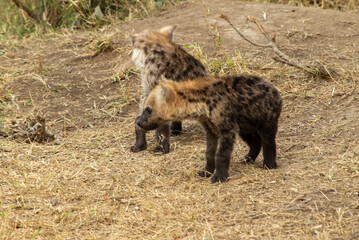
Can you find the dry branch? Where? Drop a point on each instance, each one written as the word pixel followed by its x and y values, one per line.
pixel 282 57
pixel 28 11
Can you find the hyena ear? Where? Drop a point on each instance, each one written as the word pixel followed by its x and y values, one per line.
pixel 168 31
pixel 164 94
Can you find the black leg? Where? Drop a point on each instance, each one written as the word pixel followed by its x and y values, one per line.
pixel 212 141
pixel 254 142
pixel 268 134
pixel 269 154
pixel 163 139
pixel 223 157
pixel 176 128
pixel 140 143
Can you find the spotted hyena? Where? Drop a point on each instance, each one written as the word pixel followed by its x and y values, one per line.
pixel 225 106
pixel 160 59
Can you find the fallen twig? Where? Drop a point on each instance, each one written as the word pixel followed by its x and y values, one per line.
pixel 281 57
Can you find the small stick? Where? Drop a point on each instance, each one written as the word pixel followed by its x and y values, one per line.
pixel 285 57
pixel 225 17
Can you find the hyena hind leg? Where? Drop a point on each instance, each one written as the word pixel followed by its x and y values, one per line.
pixel 163 139
pixel 268 135
pixel 253 140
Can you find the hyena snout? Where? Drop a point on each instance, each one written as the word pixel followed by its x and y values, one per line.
pixel 142 122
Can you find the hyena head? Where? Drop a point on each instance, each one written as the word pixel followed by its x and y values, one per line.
pixel 139 48
pixel 157 108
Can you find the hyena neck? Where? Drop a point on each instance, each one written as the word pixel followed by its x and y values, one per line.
pixel 186 110
pixel 189 100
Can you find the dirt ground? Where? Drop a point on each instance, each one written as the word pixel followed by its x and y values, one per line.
pixel 92 187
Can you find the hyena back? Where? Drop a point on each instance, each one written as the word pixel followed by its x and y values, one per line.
pixel 225 106
pixel 159 59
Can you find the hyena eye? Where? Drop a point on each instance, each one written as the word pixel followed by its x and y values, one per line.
pixel 148 110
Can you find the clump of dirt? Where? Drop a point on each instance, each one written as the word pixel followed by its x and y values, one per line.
pixel 34 130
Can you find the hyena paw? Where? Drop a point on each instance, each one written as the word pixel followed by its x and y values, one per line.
pixel 175 132
pixel 246 159
pixel 219 178
pixel 162 149
pixel 271 165
pixel 176 128
pixel 205 173
pixel 138 148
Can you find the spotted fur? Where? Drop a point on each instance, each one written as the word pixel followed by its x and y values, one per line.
pixel 160 59
pixel 225 106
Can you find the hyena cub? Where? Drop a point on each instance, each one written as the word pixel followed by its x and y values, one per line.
pixel 246 105
pixel 159 59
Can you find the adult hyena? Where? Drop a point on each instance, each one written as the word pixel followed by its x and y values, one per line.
pixel 225 106
pixel 160 59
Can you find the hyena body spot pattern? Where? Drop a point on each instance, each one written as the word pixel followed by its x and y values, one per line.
pixel 247 106
pixel 159 59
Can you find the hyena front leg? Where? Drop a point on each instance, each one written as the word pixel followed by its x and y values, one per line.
pixel 163 138
pixel 223 157
pixel 212 141
pixel 140 143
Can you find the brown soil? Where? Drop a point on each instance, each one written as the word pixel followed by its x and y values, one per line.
pixel 92 187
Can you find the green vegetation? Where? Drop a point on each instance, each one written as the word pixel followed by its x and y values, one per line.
pixel 52 14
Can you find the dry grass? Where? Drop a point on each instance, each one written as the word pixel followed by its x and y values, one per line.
pixel 92 187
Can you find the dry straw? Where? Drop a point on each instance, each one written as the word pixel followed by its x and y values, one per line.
pixel 92 187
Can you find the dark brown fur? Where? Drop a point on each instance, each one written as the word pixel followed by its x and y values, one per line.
pixel 159 59
pixel 225 106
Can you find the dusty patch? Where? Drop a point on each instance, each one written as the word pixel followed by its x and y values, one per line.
pixel 92 186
